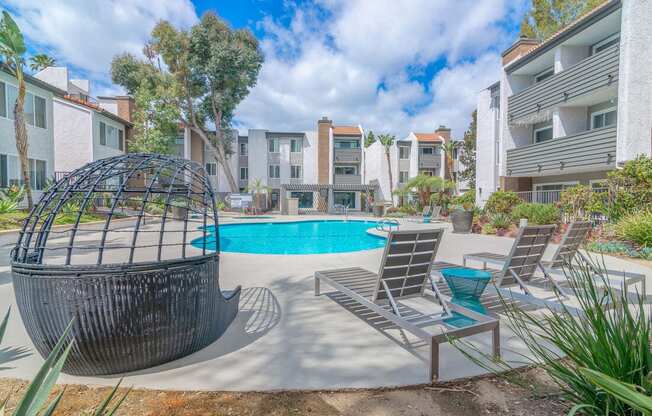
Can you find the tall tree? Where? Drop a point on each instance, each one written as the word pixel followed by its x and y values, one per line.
pixel 369 139
pixel 210 68
pixel 449 152
pixel 548 16
pixel 467 156
pixel 41 61
pixel 12 47
pixel 387 140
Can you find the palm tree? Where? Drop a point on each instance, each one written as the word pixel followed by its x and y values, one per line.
pixel 41 61
pixel 449 152
pixel 387 140
pixel 12 47
pixel 258 188
pixel 426 185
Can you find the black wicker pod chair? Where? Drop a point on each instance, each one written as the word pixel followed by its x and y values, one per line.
pixel 131 266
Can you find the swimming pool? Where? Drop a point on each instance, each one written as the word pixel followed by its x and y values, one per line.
pixel 296 237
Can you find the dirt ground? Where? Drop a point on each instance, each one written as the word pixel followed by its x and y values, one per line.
pixel 480 396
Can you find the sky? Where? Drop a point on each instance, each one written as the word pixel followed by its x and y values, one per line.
pixel 392 66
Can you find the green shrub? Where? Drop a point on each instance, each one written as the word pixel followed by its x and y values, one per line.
pixel 7 206
pixel 502 202
pixel 537 213
pixel 407 209
pixel 467 199
pixel 500 221
pixel 636 228
pixel 488 229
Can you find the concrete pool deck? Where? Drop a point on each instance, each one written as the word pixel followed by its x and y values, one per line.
pixel 286 338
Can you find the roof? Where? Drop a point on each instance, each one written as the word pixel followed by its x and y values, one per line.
pixel 97 108
pixel 577 25
pixel 429 138
pixel 35 81
pixel 347 131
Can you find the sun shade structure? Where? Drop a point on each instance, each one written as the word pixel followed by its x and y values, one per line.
pixel 124 271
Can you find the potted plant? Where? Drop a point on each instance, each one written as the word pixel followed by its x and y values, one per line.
pixel 461 216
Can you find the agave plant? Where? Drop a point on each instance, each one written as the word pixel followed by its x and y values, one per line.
pixel 34 401
pixel 605 346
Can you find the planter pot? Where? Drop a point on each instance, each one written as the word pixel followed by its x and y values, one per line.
pixel 179 213
pixel 462 221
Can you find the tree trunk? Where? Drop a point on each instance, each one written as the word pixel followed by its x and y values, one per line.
pixel 220 157
pixel 21 137
pixel 391 180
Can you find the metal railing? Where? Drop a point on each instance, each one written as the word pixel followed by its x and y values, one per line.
pixel 547 197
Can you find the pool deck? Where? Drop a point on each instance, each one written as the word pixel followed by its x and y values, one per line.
pixel 286 338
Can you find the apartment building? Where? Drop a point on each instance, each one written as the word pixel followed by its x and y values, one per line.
pixel 40 131
pixel 571 108
pixel 85 129
pixel 418 153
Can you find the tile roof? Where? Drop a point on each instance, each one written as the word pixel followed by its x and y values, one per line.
pixel 346 131
pixel 429 137
pixel 570 26
pixel 96 107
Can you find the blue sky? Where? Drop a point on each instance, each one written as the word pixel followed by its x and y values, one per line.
pixel 391 65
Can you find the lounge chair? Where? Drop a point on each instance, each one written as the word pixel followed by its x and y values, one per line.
pixel 519 267
pixel 567 253
pixel 405 273
pixel 429 214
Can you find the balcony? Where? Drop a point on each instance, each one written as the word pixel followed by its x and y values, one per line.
pixel 429 161
pixel 347 155
pixel 348 179
pixel 296 158
pixel 595 72
pixel 587 151
pixel 243 160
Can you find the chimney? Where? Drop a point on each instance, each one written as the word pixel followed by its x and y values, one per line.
pixel 323 149
pixel 518 49
pixel 126 106
pixel 444 132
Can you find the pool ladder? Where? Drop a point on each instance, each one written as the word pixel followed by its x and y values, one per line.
pixel 385 222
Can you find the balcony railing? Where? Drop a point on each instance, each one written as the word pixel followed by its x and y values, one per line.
pixel 547 197
pixel 348 179
pixel 585 151
pixel 347 155
pixel 596 71
pixel 429 161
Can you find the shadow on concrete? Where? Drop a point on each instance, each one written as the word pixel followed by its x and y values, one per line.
pixel 259 312
pixel 9 354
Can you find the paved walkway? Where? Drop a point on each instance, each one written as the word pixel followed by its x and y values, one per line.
pixel 286 338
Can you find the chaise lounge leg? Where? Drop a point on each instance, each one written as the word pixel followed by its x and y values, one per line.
pixel 316 285
pixel 496 340
pixel 434 360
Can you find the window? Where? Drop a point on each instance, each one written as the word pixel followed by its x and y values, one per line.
pixel 344 198
pixel 274 171
pixel 295 172
pixel 347 144
pixel 34 107
pixel 598 184
pixel 111 136
pixel 404 152
pixel 273 146
pixel 427 150
pixel 244 174
pixel 542 134
pixel 604 118
pixel 345 170
pixel 426 172
pixel 10 172
pixel 403 177
pixel 605 43
pixel 211 168
pixel 305 199
pixel 544 75
pixel 495 97
pixel 244 149
pixel 295 145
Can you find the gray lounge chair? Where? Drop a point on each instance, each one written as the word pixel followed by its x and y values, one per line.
pixel 519 267
pixel 567 253
pixel 405 273
pixel 429 213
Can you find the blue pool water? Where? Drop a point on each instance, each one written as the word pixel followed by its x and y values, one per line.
pixel 300 237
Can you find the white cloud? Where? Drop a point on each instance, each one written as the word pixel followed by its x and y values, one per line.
pixel 355 61
pixel 87 34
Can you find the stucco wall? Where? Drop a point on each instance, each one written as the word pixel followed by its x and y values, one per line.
pixel 485 161
pixel 310 157
pixel 40 141
pixel 73 130
pixel 635 81
pixel 101 151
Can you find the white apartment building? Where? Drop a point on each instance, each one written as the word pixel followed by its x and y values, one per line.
pixel 569 109
pixel 418 153
pixel 40 131
pixel 85 129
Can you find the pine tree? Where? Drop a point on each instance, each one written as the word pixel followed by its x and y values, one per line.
pixel 548 16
